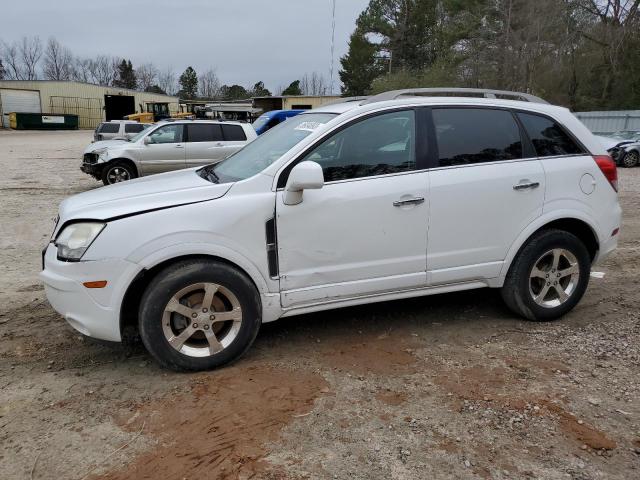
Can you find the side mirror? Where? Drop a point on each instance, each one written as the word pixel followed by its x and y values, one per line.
pixel 147 140
pixel 305 175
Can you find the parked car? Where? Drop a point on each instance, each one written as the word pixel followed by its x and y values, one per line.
pixel 627 155
pixel 167 146
pixel 268 120
pixel 123 129
pixel 397 196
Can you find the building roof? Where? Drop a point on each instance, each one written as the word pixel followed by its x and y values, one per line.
pixel 16 84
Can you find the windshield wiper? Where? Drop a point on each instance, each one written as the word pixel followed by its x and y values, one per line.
pixel 211 175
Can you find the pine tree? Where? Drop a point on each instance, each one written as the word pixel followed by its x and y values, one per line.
pixel 293 89
pixel 188 84
pixel 360 67
pixel 259 90
pixel 126 77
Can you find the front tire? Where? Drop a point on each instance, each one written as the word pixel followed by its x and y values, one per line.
pixel 631 159
pixel 198 315
pixel 117 172
pixel 548 277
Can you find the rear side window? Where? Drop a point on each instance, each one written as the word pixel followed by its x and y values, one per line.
pixel 474 135
pixel 109 128
pixel 548 138
pixel 133 127
pixel 233 133
pixel 204 132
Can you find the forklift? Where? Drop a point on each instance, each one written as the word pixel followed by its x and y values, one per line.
pixel 155 112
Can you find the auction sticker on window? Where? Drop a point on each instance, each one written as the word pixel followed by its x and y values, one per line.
pixel 309 126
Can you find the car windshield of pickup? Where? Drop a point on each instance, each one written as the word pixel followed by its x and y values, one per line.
pixel 266 149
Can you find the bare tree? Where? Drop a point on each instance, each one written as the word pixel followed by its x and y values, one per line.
pixel 209 84
pixel 81 70
pixel 147 75
pixel 101 70
pixel 12 60
pixel 58 61
pixel 314 84
pixel 167 81
pixel 30 49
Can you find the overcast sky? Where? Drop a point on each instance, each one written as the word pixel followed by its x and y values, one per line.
pixel 275 41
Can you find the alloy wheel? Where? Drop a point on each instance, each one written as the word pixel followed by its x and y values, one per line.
pixel 202 319
pixel 631 159
pixel 118 174
pixel 554 278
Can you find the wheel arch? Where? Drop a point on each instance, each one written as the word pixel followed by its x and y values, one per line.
pixel 130 304
pixel 579 227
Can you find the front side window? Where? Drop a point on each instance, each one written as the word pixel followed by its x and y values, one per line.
pixel 375 146
pixel 167 134
pixel 204 132
pixel 475 135
pixel 548 138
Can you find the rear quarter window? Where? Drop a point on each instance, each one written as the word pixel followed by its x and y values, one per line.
pixel 133 127
pixel 233 133
pixel 549 139
pixel 109 128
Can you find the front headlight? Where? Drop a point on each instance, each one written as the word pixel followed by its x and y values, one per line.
pixel 74 240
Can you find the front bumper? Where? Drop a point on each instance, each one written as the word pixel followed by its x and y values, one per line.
pixel 93 312
pixel 91 166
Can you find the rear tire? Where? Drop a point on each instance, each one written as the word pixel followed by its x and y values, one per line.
pixel 548 276
pixel 118 171
pixel 198 315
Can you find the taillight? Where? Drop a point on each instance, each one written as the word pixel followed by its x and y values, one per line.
pixel 608 167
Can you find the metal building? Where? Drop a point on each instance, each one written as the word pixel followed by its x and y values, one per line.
pixel 610 122
pixel 92 103
pixel 293 102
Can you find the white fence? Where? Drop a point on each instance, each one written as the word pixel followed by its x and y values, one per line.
pixel 609 122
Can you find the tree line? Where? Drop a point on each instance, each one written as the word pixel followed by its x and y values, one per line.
pixel 584 54
pixel 30 59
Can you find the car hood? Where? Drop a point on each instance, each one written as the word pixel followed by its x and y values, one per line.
pixel 140 195
pixel 103 144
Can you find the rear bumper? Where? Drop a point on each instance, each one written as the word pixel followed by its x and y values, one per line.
pixel 93 312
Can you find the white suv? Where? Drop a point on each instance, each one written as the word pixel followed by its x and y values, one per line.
pixel 397 196
pixel 169 145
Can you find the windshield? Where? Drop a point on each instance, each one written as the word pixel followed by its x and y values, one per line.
pixel 266 149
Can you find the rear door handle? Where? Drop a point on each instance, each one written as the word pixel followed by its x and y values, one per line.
pixel 526 185
pixel 408 201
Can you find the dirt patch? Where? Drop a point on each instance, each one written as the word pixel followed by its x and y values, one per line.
pixel 391 398
pixel 220 429
pixel 375 355
pixel 584 433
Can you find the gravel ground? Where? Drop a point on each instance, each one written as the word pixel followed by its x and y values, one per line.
pixel 449 386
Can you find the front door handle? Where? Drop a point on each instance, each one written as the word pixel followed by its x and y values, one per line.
pixel 408 201
pixel 179 146
pixel 526 185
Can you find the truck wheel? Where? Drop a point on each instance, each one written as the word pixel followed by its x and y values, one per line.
pixel 117 172
pixel 548 277
pixel 199 315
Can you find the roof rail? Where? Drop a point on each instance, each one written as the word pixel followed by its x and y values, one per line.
pixel 458 92
pixel 345 100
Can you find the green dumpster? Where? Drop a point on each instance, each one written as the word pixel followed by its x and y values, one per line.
pixel 43 121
